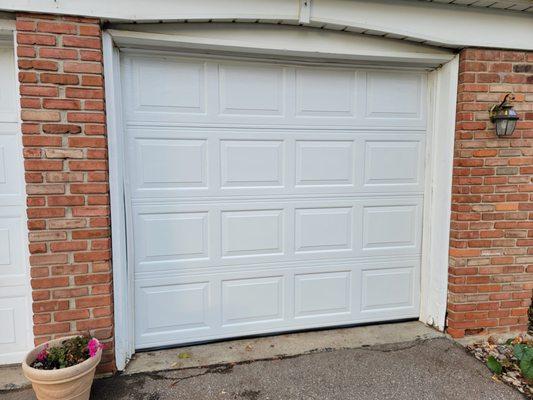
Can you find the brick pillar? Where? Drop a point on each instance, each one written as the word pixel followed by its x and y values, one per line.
pixel 63 114
pixel 491 247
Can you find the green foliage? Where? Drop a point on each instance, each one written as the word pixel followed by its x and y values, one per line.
pixel 494 365
pixel 70 352
pixel 524 354
pixel 518 350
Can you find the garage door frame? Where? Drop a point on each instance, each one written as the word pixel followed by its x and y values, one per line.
pixel 442 82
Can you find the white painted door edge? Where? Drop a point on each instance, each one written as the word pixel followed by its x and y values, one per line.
pixel 437 208
pixel 123 310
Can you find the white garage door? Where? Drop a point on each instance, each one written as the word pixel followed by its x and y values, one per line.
pixel 267 197
pixel 15 312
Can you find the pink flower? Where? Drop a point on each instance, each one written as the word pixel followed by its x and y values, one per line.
pixel 94 345
pixel 43 353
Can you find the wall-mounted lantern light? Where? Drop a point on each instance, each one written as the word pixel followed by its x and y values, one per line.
pixel 504 117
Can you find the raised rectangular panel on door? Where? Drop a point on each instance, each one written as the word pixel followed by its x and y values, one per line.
pixel 252 233
pixel 325 163
pixel 251 89
pixel 395 98
pixel 172 306
pixel 178 164
pixel 325 93
pixel 323 229
pixel 393 164
pixel 390 289
pixel 15 311
pixel 252 301
pixel 324 294
pixel 162 85
pixel 270 196
pixel 8 97
pixel 252 163
pixel 391 227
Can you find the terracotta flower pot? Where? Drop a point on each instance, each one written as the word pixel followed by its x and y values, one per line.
pixel 71 383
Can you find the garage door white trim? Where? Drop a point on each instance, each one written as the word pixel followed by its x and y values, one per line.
pixel 444 114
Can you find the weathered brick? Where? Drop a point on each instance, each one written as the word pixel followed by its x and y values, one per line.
pixel 60 54
pixel 36 39
pixel 63 110
pixel 61 128
pixel 59 79
pixel 82 42
pixel 489 217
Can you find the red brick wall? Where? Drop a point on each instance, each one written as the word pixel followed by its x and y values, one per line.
pixel 491 247
pixel 63 114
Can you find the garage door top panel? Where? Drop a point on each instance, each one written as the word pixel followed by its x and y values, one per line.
pixel 168 90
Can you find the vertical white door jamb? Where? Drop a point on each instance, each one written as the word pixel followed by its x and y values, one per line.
pixel 121 282
pixel 437 204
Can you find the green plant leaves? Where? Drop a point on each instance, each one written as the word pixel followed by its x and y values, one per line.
pixel 524 354
pixel 526 363
pixel 69 352
pixel 518 350
pixel 494 365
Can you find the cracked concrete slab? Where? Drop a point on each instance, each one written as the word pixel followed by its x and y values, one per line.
pixel 263 348
pixel 432 369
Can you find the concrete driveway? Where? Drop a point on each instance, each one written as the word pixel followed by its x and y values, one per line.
pixel 425 369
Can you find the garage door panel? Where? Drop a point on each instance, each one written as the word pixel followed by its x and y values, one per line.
pixel 394 95
pixel 391 228
pixel 11 187
pixel 325 92
pixel 389 290
pixel 239 85
pixel 12 263
pixel 13 314
pixel 393 165
pixel 8 95
pixel 174 163
pixel 184 90
pixel 253 300
pixel 252 163
pixel 229 303
pixel 160 85
pixel 252 232
pixel 172 236
pixel 183 162
pixel 323 294
pixel 325 163
pixel 186 305
pixel 324 229
pixel 267 197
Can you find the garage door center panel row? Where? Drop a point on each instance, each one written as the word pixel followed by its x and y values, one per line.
pixel 267 197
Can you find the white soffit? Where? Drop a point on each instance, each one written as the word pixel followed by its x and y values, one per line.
pixel 514 5
pixel 280 40
pixel 431 23
pixel 463 23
